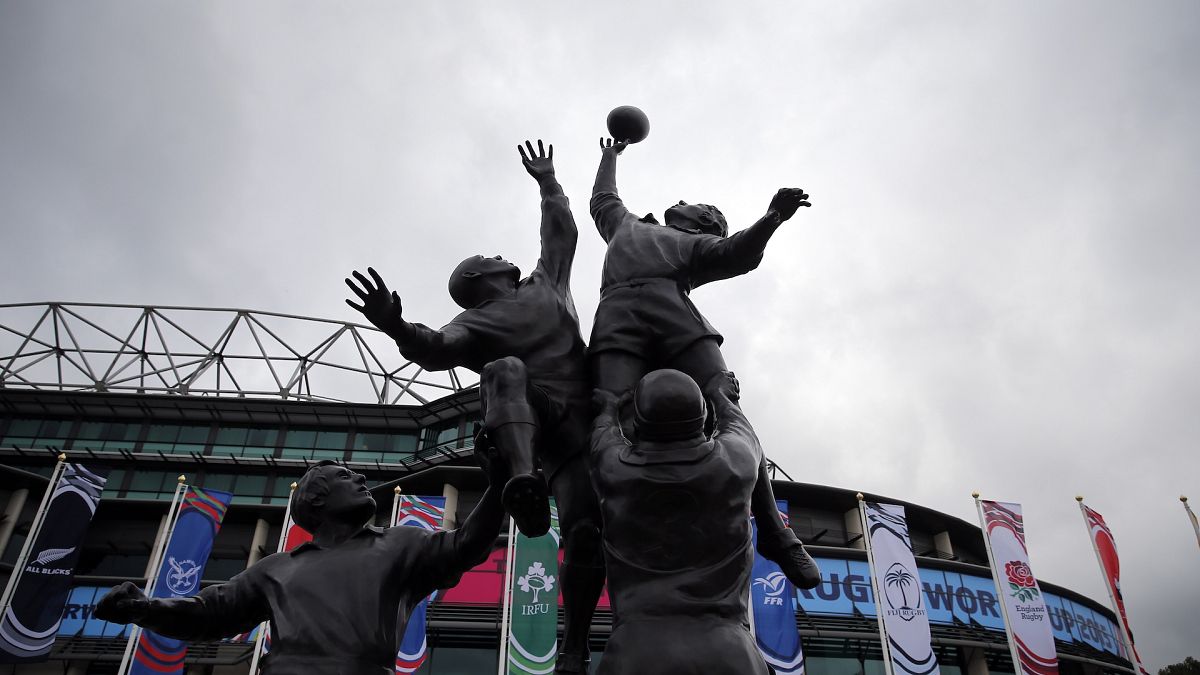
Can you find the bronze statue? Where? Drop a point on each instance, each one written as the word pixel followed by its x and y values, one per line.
pixel 339 604
pixel 646 321
pixel 676 509
pixel 522 336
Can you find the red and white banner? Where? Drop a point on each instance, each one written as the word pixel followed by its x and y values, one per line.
pixel 1110 566
pixel 1191 517
pixel 1030 637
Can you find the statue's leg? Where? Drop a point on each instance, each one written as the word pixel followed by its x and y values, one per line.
pixel 776 541
pixel 617 372
pixel 582 570
pixel 511 425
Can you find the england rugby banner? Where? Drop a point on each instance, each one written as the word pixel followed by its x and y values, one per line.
pixel 426 513
pixel 35 605
pixel 1110 566
pixel 533 608
pixel 771 601
pixel 902 614
pixel 1030 636
pixel 179 574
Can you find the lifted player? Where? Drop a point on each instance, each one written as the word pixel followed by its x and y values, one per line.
pixel 646 321
pixel 522 337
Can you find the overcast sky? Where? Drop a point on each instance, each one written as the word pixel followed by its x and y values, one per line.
pixel 996 287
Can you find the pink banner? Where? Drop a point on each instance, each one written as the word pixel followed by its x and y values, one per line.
pixel 1110 566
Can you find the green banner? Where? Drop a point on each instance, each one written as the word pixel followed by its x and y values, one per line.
pixel 533 613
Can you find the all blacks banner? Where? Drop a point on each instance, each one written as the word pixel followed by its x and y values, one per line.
pixel 44 573
pixel 1030 637
pixel 903 618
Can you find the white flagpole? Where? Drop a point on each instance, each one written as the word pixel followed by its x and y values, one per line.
pixel 160 548
pixel 1126 638
pixel 866 535
pixel 395 506
pixel 987 544
pixel 35 528
pixel 1192 517
pixel 262 628
pixel 505 599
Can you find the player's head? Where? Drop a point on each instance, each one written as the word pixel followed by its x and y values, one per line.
pixel 329 490
pixel 668 406
pixel 478 279
pixel 697 218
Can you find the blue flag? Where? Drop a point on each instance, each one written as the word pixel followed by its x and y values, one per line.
pixel 180 573
pixel 426 513
pixel 771 598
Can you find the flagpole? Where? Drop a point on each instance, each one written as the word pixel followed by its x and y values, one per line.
pixel 395 506
pixel 160 548
pixel 1126 638
pixel 987 545
pixel 883 637
pixel 1192 517
pixel 262 627
pixel 505 599
pixel 35 528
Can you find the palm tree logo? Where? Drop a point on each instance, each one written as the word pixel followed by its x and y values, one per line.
pixel 899 578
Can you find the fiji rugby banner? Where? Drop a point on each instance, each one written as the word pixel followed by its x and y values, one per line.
pixel 904 619
pixel 771 601
pixel 1110 567
pixel 179 574
pixel 1031 638
pixel 533 610
pixel 425 513
pixel 35 609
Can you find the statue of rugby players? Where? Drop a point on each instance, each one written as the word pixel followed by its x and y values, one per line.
pixel 522 337
pixel 646 321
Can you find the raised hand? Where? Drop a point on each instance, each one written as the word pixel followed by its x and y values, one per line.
pixel 540 164
pixel 381 306
pixel 610 147
pixel 786 201
pixel 123 604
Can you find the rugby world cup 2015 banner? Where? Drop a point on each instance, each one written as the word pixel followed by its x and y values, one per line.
pixel 1030 636
pixel 426 513
pixel 1110 567
pixel 771 600
pixel 179 574
pixel 533 609
pixel 904 619
pixel 31 620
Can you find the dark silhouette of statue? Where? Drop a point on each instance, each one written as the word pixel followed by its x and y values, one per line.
pixel 339 604
pixel 646 321
pixel 676 509
pixel 522 336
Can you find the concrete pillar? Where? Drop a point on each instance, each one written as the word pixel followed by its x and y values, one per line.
pixel 941 543
pixel 976 661
pixel 162 529
pixel 258 543
pixel 450 520
pixel 853 528
pixel 12 513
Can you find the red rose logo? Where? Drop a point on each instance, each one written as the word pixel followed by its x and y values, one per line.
pixel 1020 579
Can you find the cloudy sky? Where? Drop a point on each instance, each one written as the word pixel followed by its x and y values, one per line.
pixel 996 287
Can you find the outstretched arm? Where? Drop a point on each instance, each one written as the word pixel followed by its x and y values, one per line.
pixel 431 349
pixel 558 231
pixel 724 391
pixel 216 612
pixel 741 252
pixel 607 208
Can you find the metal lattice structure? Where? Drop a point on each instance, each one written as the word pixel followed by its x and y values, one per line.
pixel 198 351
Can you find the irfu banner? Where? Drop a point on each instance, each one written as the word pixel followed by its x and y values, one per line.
pixel 771 600
pixel 533 585
pixel 902 613
pixel 426 513
pixel 34 612
pixel 1030 636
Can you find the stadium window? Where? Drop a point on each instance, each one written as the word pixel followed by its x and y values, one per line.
pixel 315 444
pixel 146 484
pixel 370 447
pixel 107 436
pixel 249 489
pixel 217 481
pixel 114 483
pixel 245 442
pixel 34 433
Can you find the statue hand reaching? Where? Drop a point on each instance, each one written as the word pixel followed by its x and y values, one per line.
pixel 609 147
pixel 123 604
pixel 540 165
pixel 786 201
pixel 381 306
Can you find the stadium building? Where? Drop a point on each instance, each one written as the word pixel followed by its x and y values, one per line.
pixel 243 401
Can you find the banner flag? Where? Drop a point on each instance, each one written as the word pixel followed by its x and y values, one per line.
pixel 1192 517
pixel 179 574
pixel 1110 566
pixel 902 613
pixel 533 585
pixel 1031 639
pixel 426 513
pixel 292 536
pixel 772 599
pixel 35 607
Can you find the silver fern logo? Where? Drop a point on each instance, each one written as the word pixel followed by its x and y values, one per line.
pixel 52 554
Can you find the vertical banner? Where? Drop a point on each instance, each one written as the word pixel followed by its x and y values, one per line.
pixel 426 513
pixel 1110 566
pixel 179 574
pixel 291 536
pixel 1191 517
pixel 1030 636
pixel 774 614
pixel 903 618
pixel 34 608
pixel 533 611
